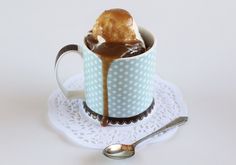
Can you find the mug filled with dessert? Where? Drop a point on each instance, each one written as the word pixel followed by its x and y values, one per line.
pixel 119 68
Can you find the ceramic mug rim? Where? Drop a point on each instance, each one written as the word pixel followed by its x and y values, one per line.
pixel 142 31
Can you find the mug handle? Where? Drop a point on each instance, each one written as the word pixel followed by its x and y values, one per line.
pixel 70 94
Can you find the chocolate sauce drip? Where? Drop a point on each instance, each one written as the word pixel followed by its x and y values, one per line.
pixel 108 52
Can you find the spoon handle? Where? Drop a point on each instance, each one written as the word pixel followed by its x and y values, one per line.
pixel 176 122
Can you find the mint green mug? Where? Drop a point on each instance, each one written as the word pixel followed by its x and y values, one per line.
pixel 129 83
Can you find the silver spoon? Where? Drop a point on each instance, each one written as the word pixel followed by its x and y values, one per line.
pixel 122 151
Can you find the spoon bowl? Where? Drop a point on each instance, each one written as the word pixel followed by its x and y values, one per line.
pixel 119 151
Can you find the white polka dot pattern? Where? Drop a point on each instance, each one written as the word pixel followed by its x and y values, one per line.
pixel 93 82
pixel 130 84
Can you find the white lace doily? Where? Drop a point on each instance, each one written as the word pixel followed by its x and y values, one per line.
pixel 69 118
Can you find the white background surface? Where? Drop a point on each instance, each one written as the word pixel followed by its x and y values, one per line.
pixel 196 51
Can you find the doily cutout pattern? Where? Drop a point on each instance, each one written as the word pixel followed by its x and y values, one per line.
pixel 68 117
